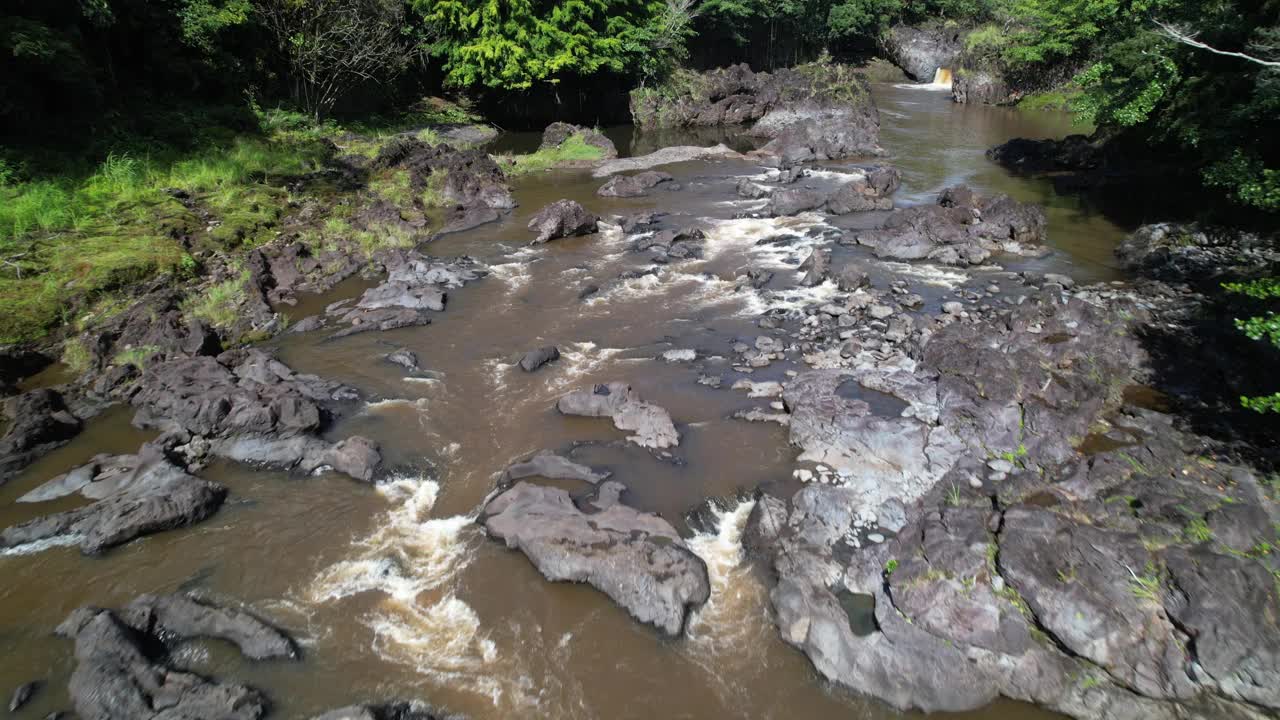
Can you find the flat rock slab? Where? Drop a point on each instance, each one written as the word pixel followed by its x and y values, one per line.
pixel 665 156
pixel 136 495
pixel 651 424
pixel 123 670
pixel 549 465
pixel 635 558
pixel 638 185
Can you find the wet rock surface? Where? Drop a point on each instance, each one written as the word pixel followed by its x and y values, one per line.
pixel 1034 157
pixel 134 495
pixel 123 669
pixel 39 422
pixel 535 359
pixel 635 558
pixel 415 287
pixel 562 218
pixel 246 406
pixel 638 185
pixel 962 229
pixel 388 711
pixel 471 177
pixel 550 465
pixel 664 156
pixel 1002 559
pixel 616 400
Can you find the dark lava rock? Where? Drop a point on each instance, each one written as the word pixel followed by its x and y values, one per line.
pixel 556 133
pixel 247 406
pixel 921 51
pixel 867 193
pixel 18 363
pixel 1196 254
pixel 405 358
pixel 635 558
pixel 651 424
pixel 40 422
pixel 535 359
pixel 637 185
pixel 815 267
pixel 123 671
pixel 979 87
pixel 679 244
pixel 135 495
pixel 562 218
pixel 818 111
pixel 472 178
pixel 793 201
pixel 549 465
pixel 636 221
pixel 1033 157
pixel 388 711
pixel 22 695
pixel 1017 565
pixel 962 229
pixel 414 289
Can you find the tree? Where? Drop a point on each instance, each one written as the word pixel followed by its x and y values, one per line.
pixel 330 46
pixel 513 44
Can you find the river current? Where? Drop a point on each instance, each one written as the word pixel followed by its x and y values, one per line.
pixel 394 592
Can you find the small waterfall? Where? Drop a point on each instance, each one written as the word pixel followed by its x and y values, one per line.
pixel 942 78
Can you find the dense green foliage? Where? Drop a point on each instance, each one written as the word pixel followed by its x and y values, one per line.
pixel 1261 328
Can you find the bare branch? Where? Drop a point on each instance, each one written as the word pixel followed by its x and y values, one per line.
pixel 1178 35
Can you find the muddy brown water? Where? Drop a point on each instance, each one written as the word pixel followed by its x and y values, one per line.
pixel 394 592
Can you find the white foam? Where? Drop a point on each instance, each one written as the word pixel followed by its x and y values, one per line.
pixel 730 633
pixel 32 548
pixel 928 274
pixel 408 555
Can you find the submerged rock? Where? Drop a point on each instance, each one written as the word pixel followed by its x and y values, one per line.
pixel 388 711
pixel 535 359
pixel 651 424
pixel 665 156
pixel 638 185
pixel 635 558
pixel 549 465
pixel 123 671
pixel 135 495
pixel 562 218
pixel 22 695
pixel 962 229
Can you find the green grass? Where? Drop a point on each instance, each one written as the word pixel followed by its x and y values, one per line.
pixel 1060 99
pixel 136 357
pixel 220 304
pixel 572 150
pixel 1147 585
pixel 75 355
pixel 1197 531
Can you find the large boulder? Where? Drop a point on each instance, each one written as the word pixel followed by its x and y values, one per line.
pixel 922 51
pixel 635 558
pixel 549 465
pixel 247 406
pixel 812 112
pixel 39 422
pixel 134 495
pixel 1074 153
pixel 415 288
pixel 471 177
pixel 1196 254
pixel 557 133
pixel 562 218
pixel 616 400
pixel 962 229
pixel 123 671
pixel 979 87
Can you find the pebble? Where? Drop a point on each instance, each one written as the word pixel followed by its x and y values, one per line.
pixel 952 308
pixel 974 482
pixel 777 405
pixel 803 475
pixel 764 342
pixel 881 312
pixel 997 583
pixel 1000 465
pixel 875 538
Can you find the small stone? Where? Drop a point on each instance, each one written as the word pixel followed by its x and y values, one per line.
pixel 876 538
pixel 952 308
pixel 975 482
pixel 881 312
pixel 1000 465
pixel 997 583
pixel 764 342
pixel 776 405
pixel 803 475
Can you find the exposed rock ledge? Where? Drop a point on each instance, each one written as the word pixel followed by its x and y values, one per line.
pixel 635 558
pixel 123 671
pixel 652 425
pixel 1135 581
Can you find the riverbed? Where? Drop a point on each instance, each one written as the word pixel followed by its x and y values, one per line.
pixel 394 592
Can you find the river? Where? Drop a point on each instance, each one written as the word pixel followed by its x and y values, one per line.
pixel 395 593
